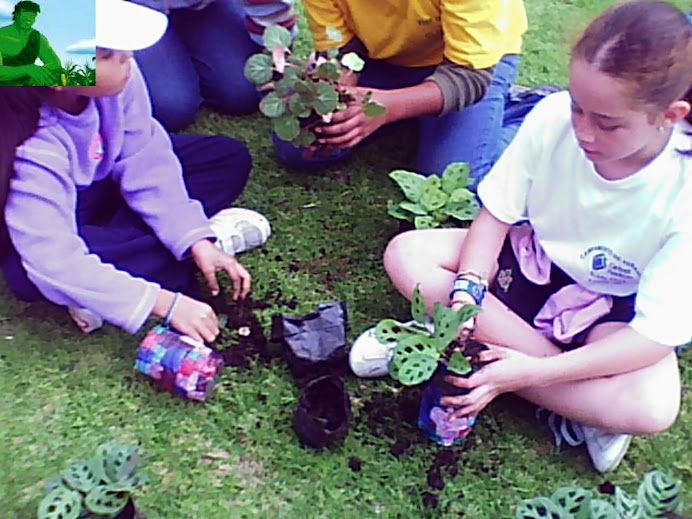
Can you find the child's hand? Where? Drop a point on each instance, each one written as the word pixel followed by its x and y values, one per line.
pixel 195 319
pixel 210 259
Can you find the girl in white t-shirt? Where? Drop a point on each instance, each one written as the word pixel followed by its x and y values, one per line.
pixel 585 238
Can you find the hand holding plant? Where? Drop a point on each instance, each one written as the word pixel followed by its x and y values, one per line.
pixel 303 94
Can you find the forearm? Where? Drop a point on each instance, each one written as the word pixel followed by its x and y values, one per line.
pixel 410 102
pixel 620 352
pixel 163 303
pixel 8 72
pixel 482 244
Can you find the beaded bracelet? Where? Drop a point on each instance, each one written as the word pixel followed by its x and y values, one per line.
pixel 169 314
pixel 475 290
pixel 479 278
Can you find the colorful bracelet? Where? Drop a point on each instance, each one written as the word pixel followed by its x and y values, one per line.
pixel 169 314
pixel 475 290
pixel 479 278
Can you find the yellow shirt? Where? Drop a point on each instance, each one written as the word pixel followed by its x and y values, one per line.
pixel 417 33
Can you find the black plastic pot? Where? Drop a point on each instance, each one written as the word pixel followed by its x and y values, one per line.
pixel 324 414
pixel 130 512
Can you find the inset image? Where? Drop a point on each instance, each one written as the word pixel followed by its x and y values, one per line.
pixel 47 43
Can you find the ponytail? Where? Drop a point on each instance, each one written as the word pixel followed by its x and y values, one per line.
pixel 19 113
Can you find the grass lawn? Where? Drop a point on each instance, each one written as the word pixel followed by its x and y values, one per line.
pixel 236 456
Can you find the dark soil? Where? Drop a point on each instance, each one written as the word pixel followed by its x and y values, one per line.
pixel 354 463
pixel 243 334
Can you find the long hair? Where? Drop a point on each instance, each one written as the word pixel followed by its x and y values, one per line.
pixel 19 113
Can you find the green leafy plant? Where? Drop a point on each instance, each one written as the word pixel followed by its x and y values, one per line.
pixel 96 487
pixel 659 495
pixel 418 350
pixel 431 201
pixel 303 93
pixel 78 75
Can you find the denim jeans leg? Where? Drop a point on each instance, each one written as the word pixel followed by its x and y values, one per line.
pixel 219 44
pixel 472 134
pixel 171 79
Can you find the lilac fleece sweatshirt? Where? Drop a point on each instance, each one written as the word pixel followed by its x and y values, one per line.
pixel 113 137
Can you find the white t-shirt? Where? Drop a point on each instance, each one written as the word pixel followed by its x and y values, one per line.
pixel 613 237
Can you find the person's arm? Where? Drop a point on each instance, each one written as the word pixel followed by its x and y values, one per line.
pixel 47 55
pixel 150 177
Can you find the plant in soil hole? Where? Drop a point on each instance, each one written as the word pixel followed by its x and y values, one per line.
pixel 97 487
pixel 431 201
pixel 418 351
pixel 659 495
pixel 303 93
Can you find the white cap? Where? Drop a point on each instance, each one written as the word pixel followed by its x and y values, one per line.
pixel 122 25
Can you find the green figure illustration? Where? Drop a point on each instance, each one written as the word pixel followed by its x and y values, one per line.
pixel 21 44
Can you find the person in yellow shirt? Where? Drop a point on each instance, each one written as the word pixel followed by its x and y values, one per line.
pixel 449 63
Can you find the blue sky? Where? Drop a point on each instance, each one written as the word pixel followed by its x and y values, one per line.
pixel 69 26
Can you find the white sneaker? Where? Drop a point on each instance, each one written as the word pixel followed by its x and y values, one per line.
pixel 369 358
pixel 238 229
pixel 605 449
pixel 86 320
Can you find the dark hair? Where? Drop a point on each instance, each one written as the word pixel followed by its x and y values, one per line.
pixel 25 5
pixel 648 44
pixel 19 113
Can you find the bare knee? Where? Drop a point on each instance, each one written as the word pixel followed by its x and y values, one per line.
pixel 396 250
pixel 654 412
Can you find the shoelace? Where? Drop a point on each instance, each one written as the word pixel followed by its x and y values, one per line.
pixel 563 429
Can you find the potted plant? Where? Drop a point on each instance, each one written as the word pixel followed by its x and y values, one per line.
pixel 303 93
pixel 659 495
pixel 421 354
pixel 435 201
pixel 99 487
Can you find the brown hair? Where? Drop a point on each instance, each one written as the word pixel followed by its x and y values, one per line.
pixel 19 113
pixel 646 43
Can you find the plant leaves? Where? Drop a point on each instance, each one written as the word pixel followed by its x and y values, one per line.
pixel 274 36
pixel 418 311
pixel 540 508
pixel 462 204
pixel 305 138
pixel 326 99
pixel 414 360
pixel 432 196
pixel 413 207
pixel 272 105
pixel 459 364
pixel 282 87
pixel 334 34
pixel 601 509
pixel 575 501
pixel 329 70
pixel 455 175
pixel 447 322
pixel 425 222
pixel 389 330
pixel 373 109
pixel 259 69
pixel 627 506
pixel 352 61
pixel 61 503
pixel 101 500
pixel 287 127
pixel 396 211
pixel 410 183
pixel 298 107
pixel 332 52
pixel 119 461
pixel 659 493
pixel 80 476
pixel 307 90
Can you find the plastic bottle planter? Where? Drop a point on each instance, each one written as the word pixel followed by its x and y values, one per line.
pixel 434 419
pixel 179 364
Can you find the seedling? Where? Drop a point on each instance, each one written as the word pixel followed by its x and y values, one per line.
pixel 431 201
pixel 303 93
pixel 418 350
pixel 98 487
pixel 659 495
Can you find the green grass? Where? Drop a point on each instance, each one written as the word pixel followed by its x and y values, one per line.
pixel 236 456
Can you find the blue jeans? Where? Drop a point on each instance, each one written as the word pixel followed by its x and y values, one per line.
pixel 201 57
pixel 474 134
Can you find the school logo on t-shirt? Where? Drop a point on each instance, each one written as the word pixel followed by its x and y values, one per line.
pixel 96 147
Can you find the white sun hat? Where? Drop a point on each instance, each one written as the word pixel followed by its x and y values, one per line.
pixel 122 25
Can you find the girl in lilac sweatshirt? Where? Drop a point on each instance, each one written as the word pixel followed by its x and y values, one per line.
pixel 103 211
